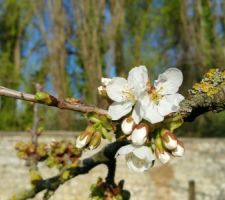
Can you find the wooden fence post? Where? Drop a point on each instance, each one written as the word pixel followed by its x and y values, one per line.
pixel 191 190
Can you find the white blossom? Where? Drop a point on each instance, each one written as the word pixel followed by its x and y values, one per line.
pixel 138 158
pixel 151 103
pixel 125 93
pixel 162 99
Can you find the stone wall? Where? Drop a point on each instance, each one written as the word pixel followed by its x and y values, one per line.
pixel 204 162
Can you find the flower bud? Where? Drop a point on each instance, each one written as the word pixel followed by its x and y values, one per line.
pixel 160 152
pixel 102 91
pixel 139 134
pixel 95 140
pixel 169 139
pixel 85 137
pixel 127 125
pixel 105 81
pixel 163 156
pixel 179 151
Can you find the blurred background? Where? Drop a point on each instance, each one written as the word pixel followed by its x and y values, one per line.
pixel 68 45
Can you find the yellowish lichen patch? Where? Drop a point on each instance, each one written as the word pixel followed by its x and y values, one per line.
pixel 210 83
pixel 210 73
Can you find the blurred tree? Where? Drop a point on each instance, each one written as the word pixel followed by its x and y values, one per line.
pixel 14 17
pixel 52 24
pixel 89 21
pixel 116 36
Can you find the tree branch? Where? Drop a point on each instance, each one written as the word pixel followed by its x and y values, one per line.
pixel 62 104
pixel 196 105
pixel 190 108
pixel 104 156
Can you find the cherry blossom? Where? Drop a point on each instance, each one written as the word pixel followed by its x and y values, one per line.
pixel 125 93
pixel 138 158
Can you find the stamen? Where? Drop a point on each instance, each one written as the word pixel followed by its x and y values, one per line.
pixel 155 95
pixel 128 94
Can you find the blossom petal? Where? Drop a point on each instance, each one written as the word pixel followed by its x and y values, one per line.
pixel 151 114
pixel 105 81
pixel 119 109
pixel 144 152
pixel 138 78
pixel 137 113
pixel 169 104
pixel 169 82
pixel 137 164
pixel 125 150
pixel 115 89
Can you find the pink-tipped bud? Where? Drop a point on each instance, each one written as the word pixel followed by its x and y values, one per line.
pixel 102 91
pixel 95 140
pixel 160 152
pixel 139 134
pixel 169 139
pixel 127 125
pixel 105 81
pixel 84 138
pixel 163 157
pixel 179 151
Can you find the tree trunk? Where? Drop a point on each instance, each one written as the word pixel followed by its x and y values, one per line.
pixel 89 15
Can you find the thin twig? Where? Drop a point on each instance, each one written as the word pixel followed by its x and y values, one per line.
pixel 62 104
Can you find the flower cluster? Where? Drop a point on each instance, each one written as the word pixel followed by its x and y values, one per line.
pixel 143 107
pixel 27 150
pixel 166 144
pixel 149 102
pixel 62 154
pixel 99 127
pixel 58 154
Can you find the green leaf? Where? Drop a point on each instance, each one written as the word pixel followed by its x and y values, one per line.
pixel 106 134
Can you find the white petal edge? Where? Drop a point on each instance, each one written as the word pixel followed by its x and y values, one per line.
pixel 125 150
pixel 119 109
pixel 137 113
pixel 138 78
pixel 169 104
pixel 115 89
pixel 151 114
pixel 144 152
pixel 169 81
